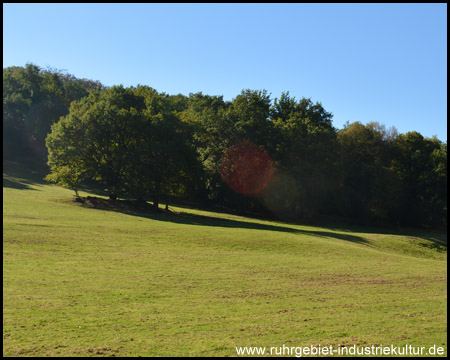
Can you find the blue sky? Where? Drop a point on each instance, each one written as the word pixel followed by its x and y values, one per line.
pixel 363 62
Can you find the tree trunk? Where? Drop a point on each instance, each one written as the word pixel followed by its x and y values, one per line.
pixel 156 203
pixel 156 195
pixel 77 196
pixel 112 196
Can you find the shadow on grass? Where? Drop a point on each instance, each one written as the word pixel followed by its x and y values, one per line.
pixel 16 183
pixel 437 239
pixel 144 210
pixel 22 176
pixel 17 176
pixel 92 187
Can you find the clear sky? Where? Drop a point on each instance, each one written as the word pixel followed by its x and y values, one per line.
pixel 363 62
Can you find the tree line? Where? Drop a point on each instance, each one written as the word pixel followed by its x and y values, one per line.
pixel 279 156
pixel 34 99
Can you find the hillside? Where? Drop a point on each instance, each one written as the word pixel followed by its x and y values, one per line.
pixel 79 281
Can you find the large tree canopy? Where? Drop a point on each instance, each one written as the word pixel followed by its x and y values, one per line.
pixel 126 139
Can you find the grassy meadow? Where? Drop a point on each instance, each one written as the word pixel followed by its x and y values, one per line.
pixel 79 281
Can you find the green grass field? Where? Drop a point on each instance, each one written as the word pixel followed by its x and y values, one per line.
pixel 86 282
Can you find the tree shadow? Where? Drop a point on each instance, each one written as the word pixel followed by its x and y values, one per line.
pixel 93 187
pixel 16 183
pixel 21 176
pixel 21 180
pixel 203 220
pixel 437 238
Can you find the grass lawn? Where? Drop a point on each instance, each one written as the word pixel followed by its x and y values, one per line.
pixel 86 282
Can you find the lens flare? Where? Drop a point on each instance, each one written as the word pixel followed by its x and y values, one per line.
pixel 246 168
pixel 281 194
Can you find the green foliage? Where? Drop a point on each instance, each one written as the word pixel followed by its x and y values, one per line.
pixel 305 149
pixel 33 100
pixel 369 187
pixel 66 176
pixel 421 164
pixel 128 139
pixel 396 178
pixel 141 143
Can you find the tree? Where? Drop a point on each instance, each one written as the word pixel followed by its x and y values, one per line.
pixel 67 146
pixel 94 137
pixel 125 138
pixel 420 163
pixel 67 176
pixel 369 187
pixel 167 159
pixel 212 132
pixel 34 99
pixel 220 126
pixel 305 143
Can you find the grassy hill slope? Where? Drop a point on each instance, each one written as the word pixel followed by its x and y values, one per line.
pixel 85 282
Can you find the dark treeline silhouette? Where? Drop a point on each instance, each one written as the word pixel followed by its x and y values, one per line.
pixel 281 157
pixel 34 99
